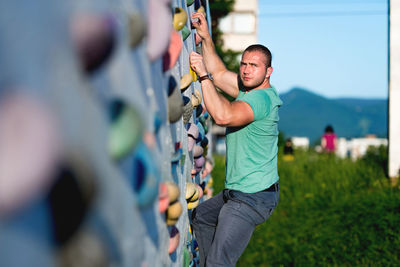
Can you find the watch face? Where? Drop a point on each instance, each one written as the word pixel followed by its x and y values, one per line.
pixel 210 76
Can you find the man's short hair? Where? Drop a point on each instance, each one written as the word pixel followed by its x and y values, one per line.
pixel 262 49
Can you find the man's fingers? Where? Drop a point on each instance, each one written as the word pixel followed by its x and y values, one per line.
pixel 199 15
pixel 194 55
pixel 196 61
pixel 198 18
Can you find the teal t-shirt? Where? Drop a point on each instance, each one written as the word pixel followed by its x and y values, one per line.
pixel 251 150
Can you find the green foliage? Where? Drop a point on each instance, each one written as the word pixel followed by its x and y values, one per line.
pixel 219 8
pixel 218 173
pixel 331 212
pixel 378 157
pixel 281 141
pixel 230 58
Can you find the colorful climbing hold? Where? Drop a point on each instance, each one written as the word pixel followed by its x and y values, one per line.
pixel 180 18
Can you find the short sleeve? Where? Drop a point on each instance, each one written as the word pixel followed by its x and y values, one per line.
pixel 259 102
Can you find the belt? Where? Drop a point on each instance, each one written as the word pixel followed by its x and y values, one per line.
pixel 272 188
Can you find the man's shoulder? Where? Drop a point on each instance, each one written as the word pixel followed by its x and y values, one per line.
pixel 274 96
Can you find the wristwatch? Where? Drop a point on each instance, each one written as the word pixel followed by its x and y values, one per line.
pixel 205 77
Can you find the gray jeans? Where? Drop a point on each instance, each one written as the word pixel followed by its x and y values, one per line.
pixel 223 225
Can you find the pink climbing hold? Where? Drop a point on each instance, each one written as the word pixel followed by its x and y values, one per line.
pixel 174 50
pixel 30 147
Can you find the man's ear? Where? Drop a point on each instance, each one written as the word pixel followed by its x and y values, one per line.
pixel 269 72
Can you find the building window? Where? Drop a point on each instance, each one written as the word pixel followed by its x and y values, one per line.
pixel 238 23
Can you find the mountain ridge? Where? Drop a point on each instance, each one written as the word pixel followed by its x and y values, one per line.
pixel 305 113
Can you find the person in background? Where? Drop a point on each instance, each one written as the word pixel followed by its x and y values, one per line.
pixel 224 224
pixel 329 140
pixel 288 154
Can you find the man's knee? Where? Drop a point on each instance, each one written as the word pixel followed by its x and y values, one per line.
pixel 197 219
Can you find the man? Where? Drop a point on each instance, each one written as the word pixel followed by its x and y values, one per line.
pixel 224 224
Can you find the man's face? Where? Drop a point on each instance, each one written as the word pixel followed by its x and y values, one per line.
pixel 253 71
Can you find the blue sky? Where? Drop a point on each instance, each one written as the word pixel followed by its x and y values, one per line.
pixel 335 48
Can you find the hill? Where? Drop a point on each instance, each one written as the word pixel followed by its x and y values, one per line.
pixel 306 114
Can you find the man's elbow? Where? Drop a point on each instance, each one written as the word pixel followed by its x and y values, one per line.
pixel 221 120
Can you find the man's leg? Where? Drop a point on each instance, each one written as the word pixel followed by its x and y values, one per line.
pixel 236 223
pixel 204 222
pixel 231 237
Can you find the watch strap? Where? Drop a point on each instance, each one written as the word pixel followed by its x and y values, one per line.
pixel 205 77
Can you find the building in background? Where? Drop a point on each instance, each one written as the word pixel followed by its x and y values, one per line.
pixel 356 148
pixel 300 142
pixel 342 149
pixel 240 26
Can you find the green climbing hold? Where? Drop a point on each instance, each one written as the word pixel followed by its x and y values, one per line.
pixel 186 257
pixel 185 33
pixel 125 131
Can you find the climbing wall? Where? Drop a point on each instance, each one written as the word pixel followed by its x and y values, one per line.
pixel 103 133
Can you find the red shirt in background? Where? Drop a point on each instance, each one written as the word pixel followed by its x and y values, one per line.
pixel 329 141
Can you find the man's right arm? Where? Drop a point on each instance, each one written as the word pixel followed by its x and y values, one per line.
pixel 224 79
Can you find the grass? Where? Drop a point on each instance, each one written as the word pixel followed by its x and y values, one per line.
pixel 331 212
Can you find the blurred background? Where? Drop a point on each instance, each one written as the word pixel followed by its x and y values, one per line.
pixel 330 63
pixel 336 69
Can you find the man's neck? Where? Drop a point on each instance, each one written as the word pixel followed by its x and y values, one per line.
pixel 248 89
